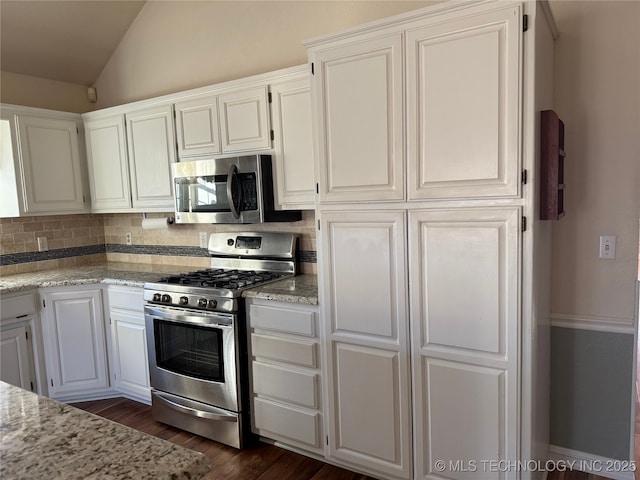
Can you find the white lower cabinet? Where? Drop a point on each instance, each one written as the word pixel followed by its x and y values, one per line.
pixel 75 347
pixel 366 337
pixel 285 373
pixel 128 344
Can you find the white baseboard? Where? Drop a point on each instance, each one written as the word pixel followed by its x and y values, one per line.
pixel 589 463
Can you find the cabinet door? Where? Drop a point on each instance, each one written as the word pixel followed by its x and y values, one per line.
pixel 51 165
pixel 465 282
pixel 359 108
pixel 363 278
pixel 16 363
pixel 293 144
pixel 197 127
pixel 151 153
pixel 130 353
pixel 244 118
pixel 464 106
pixel 75 342
pixel 108 164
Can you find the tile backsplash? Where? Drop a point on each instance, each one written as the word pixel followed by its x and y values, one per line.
pixel 83 239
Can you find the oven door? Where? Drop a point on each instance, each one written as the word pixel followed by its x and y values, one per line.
pixel 192 354
pixel 222 190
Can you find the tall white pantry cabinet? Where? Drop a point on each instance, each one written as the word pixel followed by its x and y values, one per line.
pixel 433 266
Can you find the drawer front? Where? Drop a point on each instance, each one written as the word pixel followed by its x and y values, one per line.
pixel 284 384
pixel 127 298
pixel 299 322
pixel 288 422
pixel 19 305
pixel 284 350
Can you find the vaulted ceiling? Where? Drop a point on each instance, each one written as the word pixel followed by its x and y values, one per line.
pixel 70 41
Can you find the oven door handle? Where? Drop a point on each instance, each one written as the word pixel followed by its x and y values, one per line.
pixel 196 318
pixel 218 414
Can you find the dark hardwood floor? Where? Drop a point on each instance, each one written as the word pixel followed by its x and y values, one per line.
pixel 259 462
pixel 262 461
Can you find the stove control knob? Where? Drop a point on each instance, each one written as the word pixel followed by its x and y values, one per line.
pixel 212 304
pixel 202 302
pixel 157 297
pixel 184 300
pixel 166 298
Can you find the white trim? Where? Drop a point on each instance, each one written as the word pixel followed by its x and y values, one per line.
pixel 595 323
pixel 589 463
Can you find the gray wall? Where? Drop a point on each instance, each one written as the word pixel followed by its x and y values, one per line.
pixel 591 381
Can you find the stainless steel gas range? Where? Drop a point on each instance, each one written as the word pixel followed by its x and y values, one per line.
pixel 196 334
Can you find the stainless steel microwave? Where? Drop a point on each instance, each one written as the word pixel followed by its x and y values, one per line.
pixel 227 190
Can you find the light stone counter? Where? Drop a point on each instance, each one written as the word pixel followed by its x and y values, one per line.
pixel 299 289
pixel 41 438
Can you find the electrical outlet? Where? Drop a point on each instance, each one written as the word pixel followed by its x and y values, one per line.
pixel 43 245
pixel 204 240
pixel 608 247
pixel 128 238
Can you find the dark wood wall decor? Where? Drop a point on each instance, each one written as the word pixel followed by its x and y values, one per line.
pixel 551 166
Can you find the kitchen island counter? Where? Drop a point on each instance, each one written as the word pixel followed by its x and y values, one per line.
pixel 42 438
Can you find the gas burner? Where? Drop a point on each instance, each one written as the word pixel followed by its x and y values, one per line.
pixel 220 278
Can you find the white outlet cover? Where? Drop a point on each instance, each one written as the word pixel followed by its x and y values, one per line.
pixel 204 240
pixel 43 244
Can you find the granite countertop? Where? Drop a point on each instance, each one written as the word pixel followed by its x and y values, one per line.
pixel 42 438
pixel 298 289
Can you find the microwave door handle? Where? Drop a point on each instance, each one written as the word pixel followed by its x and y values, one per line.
pixel 233 171
pixel 192 196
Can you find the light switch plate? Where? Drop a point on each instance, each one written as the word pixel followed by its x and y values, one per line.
pixel 608 247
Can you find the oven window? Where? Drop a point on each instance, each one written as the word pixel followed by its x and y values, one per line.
pixel 190 350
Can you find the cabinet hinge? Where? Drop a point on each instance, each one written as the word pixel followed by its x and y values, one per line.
pixel 26 334
pixel 327 439
pixel 525 23
pixel 524 176
pixel 312 69
pixel 269 98
pixel 44 305
pixel 109 320
pixel 524 224
pixel 317 188
pixel 318 224
pixel 31 383
pixel 273 136
pixel 52 382
pixel 77 130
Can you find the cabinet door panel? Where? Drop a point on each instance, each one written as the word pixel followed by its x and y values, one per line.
pixel 15 362
pixel 130 345
pixel 372 377
pixel 76 357
pixel 197 127
pixel 245 120
pixel 464 107
pixel 360 107
pixel 293 144
pixel 469 399
pixel 50 160
pixel 108 164
pixel 365 264
pixel 465 285
pixel 151 153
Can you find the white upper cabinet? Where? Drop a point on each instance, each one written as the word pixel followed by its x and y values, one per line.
pixel 463 104
pixel 108 164
pixel 151 153
pixel 130 157
pixel 359 119
pixel 197 127
pixel 244 120
pixel 293 144
pixel 43 169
